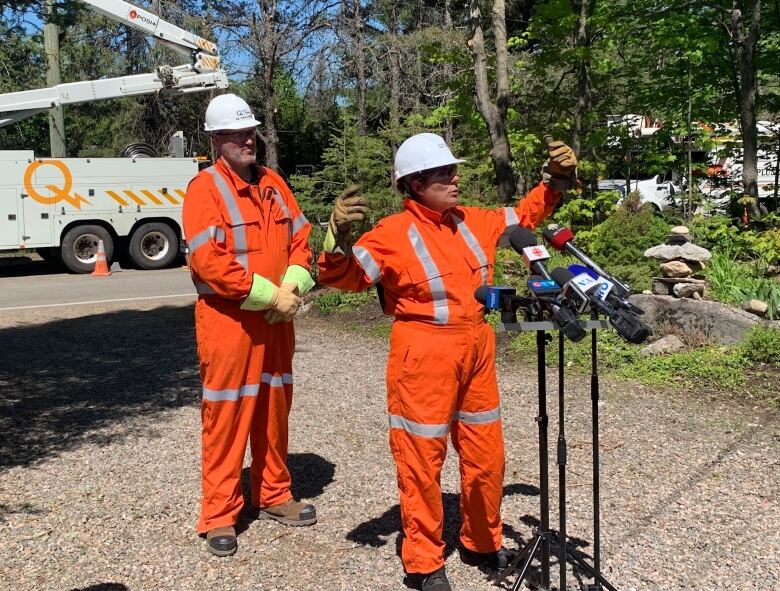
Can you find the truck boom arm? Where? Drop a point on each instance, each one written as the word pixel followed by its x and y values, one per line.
pixel 203 73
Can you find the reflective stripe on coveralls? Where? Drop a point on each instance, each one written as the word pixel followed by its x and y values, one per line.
pixel 237 221
pixel 275 381
pixel 203 237
pixel 512 221
pixel 438 293
pixel 473 245
pixel 441 430
pixel 368 263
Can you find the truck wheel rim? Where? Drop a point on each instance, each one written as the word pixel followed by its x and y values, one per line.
pixel 155 246
pixel 85 248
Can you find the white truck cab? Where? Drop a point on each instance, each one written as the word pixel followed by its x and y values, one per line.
pixel 660 190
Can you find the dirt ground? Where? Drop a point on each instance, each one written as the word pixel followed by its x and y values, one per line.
pixel 99 468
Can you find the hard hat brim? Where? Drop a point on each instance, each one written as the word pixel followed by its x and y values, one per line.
pixel 233 126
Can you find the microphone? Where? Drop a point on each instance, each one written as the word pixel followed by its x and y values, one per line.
pixel 577 289
pixel 503 298
pixel 605 292
pixel 562 239
pixel 524 242
pixel 626 324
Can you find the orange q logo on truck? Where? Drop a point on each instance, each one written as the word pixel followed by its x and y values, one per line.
pixel 58 194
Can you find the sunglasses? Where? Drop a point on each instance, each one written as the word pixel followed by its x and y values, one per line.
pixel 237 136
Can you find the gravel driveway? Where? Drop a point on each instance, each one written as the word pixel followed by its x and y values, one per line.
pixel 99 468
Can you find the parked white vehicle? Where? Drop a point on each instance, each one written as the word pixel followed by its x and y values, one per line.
pixel 660 191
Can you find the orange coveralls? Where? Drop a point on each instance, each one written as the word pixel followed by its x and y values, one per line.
pixel 234 229
pixel 441 372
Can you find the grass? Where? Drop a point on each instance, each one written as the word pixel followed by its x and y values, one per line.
pixel 340 301
pixel 735 283
pixel 701 368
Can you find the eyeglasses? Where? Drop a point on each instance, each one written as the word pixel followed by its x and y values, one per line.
pixel 241 135
pixel 447 172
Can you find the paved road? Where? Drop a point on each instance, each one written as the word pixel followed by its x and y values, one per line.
pixel 35 284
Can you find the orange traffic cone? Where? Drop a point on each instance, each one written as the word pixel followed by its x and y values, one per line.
pixel 101 265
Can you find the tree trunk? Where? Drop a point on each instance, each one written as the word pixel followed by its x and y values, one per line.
pixel 494 113
pixel 746 42
pixel 395 77
pixel 51 41
pixel 265 34
pixel 448 69
pixel 361 85
pixel 582 35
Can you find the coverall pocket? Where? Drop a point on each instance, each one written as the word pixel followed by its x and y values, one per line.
pixel 427 286
pixel 248 231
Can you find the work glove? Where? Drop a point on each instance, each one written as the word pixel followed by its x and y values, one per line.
pixel 286 304
pixel 349 207
pixel 561 159
pixel 560 169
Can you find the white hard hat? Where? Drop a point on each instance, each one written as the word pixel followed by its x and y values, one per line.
pixel 228 111
pixel 423 151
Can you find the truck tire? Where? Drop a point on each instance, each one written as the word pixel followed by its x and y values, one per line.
pixel 80 245
pixel 153 246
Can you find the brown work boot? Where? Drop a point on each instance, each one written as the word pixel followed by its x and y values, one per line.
pixel 291 512
pixel 221 541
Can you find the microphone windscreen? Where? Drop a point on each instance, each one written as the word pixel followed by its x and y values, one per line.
pixel 521 238
pixel 562 276
pixel 557 236
pixel 580 269
pixel 480 294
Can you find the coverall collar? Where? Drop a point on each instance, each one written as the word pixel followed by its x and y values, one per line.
pixel 426 214
pixel 239 183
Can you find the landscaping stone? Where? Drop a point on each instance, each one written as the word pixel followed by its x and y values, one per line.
pixel 659 287
pixel 676 239
pixel 696 295
pixel 663 252
pixel 668 344
pixel 691 252
pixel 686 290
pixel 680 230
pixel 756 307
pixel 675 269
pixel 719 322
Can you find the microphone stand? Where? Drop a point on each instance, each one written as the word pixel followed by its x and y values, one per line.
pixel 541 535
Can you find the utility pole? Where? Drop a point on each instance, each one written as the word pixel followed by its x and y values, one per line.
pixel 51 43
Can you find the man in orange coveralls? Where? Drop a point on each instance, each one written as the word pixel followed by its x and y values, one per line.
pixel 441 375
pixel 250 262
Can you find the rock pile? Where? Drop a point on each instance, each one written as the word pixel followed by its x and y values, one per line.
pixel 681 265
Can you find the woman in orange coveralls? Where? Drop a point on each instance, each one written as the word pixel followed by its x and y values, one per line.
pixel 441 376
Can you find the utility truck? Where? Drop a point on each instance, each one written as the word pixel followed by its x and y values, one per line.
pixel 62 207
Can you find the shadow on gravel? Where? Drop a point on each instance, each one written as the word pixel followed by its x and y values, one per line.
pixel 375 531
pixel 103 587
pixel 76 381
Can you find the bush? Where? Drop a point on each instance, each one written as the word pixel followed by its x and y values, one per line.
pixel 735 283
pixel 720 234
pixel 762 345
pixel 625 236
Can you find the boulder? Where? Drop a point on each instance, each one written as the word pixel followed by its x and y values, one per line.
pixel 675 269
pixel 756 307
pixel 680 230
pixel 664 252
pixel 686 290
pixel 719 322
pixel 668 344
pixel 691 252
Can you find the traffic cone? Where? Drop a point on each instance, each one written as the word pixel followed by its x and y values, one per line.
pixel 101 265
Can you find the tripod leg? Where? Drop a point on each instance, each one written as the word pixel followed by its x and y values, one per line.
pixel 561 467
pixel 527 564
pixel 544 491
